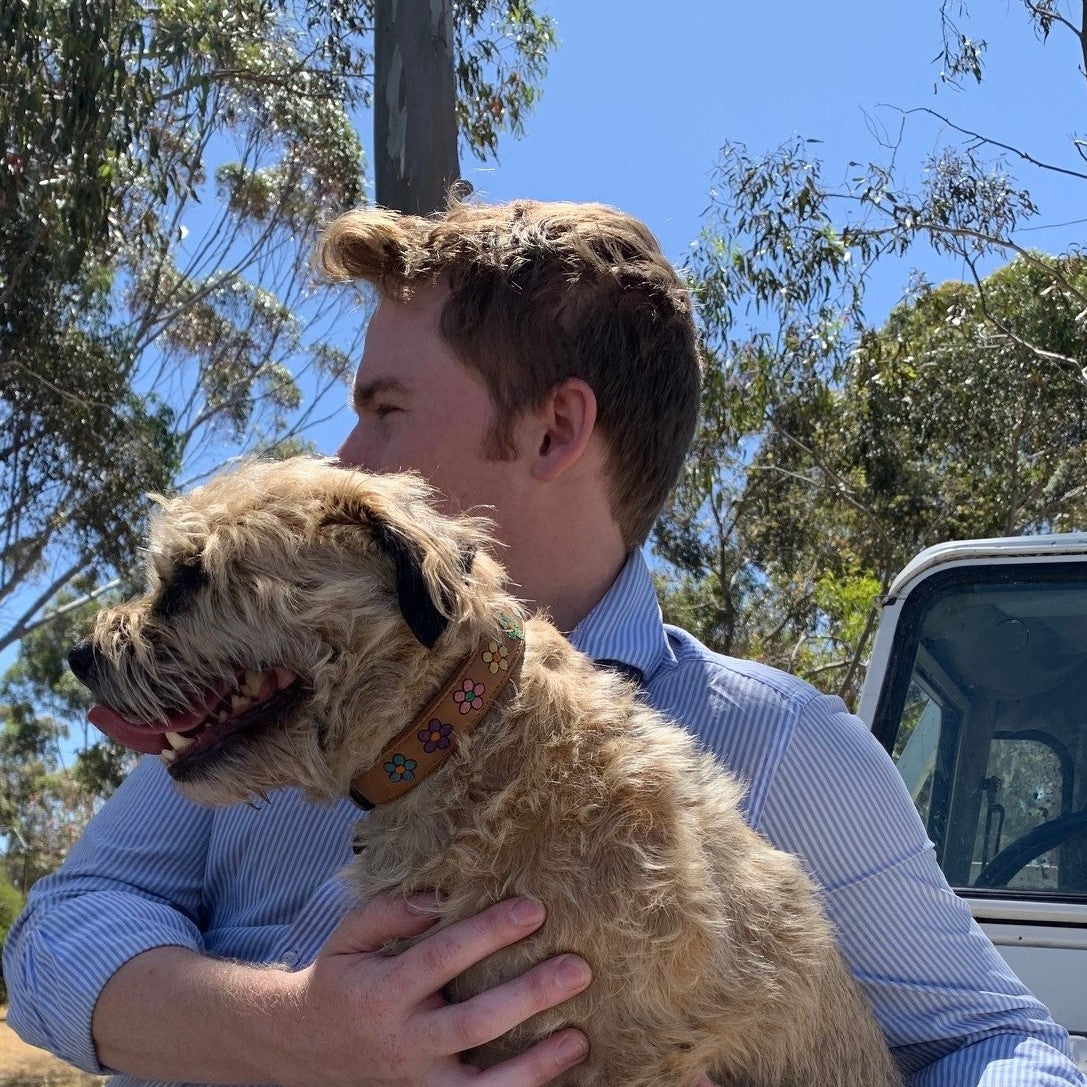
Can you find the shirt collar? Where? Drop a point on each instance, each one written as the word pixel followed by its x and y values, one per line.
pixel 626 625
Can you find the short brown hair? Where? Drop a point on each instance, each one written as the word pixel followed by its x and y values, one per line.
pixel 543 292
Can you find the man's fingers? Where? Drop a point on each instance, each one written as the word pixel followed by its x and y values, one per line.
pixel 490 1014
pixel 538 1065
pixel 437 960
pixel 705 1081
pixel 383 919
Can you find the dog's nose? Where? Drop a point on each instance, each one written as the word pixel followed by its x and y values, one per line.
pixel 82 660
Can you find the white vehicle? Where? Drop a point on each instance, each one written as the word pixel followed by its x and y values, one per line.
pixel 978 687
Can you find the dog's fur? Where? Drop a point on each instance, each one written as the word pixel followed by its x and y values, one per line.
pixel 708 948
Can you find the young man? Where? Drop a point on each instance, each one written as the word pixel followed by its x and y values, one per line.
pixel 539 360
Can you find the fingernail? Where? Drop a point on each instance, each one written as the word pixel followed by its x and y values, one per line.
pixel 572 972
pixel 527 911
pixel 573 1047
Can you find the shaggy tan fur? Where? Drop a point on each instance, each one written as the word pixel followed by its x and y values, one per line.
pixel 708 948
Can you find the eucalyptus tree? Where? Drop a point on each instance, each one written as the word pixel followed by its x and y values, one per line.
pixel 828 451
pixel 164 170
pixel 938 425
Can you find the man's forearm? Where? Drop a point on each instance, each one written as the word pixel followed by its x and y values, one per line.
pixel 173 1014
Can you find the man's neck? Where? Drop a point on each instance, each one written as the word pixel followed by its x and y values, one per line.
pixel 567 581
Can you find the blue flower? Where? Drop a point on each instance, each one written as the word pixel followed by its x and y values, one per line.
pixel 401 768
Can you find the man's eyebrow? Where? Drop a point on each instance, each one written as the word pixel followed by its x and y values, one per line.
pixel 363 395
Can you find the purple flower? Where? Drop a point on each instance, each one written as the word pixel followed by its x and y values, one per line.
pixel 435 736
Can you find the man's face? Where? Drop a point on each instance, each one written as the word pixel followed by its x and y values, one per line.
pixel 419 408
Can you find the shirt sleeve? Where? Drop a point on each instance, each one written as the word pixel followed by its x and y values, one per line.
pixel 951 1009
pixel 131 884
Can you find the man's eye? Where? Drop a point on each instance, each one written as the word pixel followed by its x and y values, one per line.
pixel 384 409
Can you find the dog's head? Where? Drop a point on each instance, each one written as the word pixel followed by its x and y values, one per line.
pixel 296 617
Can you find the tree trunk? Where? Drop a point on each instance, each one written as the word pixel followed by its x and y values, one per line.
pixel 415 123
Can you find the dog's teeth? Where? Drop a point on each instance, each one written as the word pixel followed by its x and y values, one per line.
pixel 238 701
pixel 168 754
pixel 222 715
pixel 177 741
pixel 253 683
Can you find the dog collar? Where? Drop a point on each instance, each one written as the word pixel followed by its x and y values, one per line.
pixel 464 701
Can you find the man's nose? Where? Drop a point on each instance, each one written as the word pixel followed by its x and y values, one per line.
pixel 82 661
pixel 352 451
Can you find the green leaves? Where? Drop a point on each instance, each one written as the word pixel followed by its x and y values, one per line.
pixel 502 48
pixel 153 322
pixel 43 795
pixel 828 452
pixel 964 416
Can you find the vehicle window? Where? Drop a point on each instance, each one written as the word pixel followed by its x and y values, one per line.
pixel 1024 788
pixel 984 712
pixel 925 717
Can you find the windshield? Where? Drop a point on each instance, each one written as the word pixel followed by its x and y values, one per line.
pixel 984 710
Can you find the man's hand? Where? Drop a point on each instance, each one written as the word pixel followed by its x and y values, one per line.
pixel 378 1020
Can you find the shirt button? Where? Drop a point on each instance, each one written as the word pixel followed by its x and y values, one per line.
pixel 290 958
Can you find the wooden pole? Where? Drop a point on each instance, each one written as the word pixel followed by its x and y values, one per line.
pixel 415 123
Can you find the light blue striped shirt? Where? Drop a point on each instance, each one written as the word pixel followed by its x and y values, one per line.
pixel 257 885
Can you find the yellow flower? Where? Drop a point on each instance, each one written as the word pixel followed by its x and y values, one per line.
pixel 496 657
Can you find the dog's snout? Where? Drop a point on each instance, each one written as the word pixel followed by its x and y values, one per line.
pixel 82 660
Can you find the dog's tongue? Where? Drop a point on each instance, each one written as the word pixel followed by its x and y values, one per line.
pixel 147 738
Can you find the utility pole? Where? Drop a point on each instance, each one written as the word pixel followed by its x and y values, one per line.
pixel 415 123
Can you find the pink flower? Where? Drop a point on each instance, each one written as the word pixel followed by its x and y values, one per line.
pixel 470 696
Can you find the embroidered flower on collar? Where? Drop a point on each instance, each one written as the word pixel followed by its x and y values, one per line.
pixel 470 696
pixel 435 736
pixel 496 657
pixel 400 768
pixel 513 628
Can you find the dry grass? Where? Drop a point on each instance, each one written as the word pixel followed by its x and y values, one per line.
pixel 23 1065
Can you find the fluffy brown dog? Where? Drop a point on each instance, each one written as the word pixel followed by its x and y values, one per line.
pixel 299 616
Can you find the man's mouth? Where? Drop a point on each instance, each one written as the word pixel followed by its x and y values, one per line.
pixel 225 709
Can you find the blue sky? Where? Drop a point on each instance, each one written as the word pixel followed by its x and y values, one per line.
pixel 635 106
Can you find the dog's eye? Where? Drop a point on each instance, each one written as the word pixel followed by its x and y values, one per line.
pixel 178 592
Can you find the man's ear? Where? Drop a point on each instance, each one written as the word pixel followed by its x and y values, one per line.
pixel 563 426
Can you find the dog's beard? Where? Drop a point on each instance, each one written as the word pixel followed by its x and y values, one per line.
pixel 268 754
pixel 257 737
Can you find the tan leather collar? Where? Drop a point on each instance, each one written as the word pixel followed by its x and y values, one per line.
pixel 457 708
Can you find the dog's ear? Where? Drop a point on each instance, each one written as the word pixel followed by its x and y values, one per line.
pixel 427 583
pixel 426 616
pixel 426 620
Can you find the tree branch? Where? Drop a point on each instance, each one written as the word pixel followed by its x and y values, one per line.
pixel 1000 243
pixel 988 141
pixel 1055 16
pixel 24 626
pixel 858 651
pixel 1076 365
pixel 824 668
pixel 840 487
